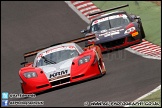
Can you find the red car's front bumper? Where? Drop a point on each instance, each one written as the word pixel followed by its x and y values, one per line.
pixel 78 73
pixel 35 85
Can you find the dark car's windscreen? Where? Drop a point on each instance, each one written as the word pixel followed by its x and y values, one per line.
pixel 56 57
pixel 109 22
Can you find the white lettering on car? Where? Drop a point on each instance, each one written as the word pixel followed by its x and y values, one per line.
pixel 55 74
pixel 109 18
pixel 111 33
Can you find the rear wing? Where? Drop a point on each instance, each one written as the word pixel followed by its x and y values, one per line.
pixel 78 40
pixel 118 7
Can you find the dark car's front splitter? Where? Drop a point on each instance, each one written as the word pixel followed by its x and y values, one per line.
pixel 119 43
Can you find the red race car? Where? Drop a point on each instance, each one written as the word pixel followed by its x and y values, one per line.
pixel 61 64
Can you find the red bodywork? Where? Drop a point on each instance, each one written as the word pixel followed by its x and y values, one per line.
pixel 78 72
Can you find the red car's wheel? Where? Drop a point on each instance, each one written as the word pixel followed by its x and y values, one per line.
pixel 101 67
pixel 22 88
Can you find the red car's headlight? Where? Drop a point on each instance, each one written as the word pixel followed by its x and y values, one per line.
pixel 84 60
pixel 30 74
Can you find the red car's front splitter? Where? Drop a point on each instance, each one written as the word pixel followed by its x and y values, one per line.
pixel 28 89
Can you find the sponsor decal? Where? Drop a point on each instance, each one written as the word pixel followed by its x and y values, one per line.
pixel 54 78
pixel 95 22
pixel 109 18
pixel 56 74
pixel 103 31
pixel 111 33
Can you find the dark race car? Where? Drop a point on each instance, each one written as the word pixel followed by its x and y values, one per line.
pixel 115 30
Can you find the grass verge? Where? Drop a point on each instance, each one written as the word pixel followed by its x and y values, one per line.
pixel 153 100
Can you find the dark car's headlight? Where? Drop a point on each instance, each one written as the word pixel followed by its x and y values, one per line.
pixel 30 74
pixel 130 30
pixel 84 60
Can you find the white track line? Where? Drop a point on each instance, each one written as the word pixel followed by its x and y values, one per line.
pixel 84 5
pixel 78 12
pixel 143 55
pixel 88 8
pixel 147 94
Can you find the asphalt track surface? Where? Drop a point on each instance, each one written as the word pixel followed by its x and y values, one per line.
pixel 29 25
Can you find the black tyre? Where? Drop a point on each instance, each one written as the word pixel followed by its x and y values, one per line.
pixel 101 66
pixel 22 88
pixel 142 32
